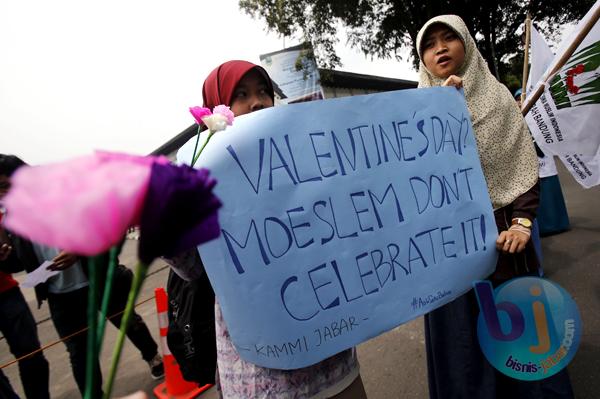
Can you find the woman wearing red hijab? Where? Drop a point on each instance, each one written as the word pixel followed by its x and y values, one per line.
pixel 246 88
pixel 230 84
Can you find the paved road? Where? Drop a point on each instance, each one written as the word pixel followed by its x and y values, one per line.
pixel 393 364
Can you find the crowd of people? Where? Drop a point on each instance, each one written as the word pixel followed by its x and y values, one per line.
pixel 457 367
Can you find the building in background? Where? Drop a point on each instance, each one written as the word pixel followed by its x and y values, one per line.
pixel 334 83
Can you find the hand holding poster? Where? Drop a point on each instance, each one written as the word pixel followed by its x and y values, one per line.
pixel 344 218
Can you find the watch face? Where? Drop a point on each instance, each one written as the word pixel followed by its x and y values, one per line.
pixel 524 222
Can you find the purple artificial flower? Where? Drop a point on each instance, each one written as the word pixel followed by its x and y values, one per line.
pixel 180 211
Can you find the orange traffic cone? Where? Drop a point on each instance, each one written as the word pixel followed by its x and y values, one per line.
pixel 174 386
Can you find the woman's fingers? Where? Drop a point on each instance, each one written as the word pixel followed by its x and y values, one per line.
pixel 500 240
pixel 514 245
pixel 511 241
pixel 508 243
pixel 453 80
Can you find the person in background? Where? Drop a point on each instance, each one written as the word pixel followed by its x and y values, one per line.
pixel 517 95
pixel 16 321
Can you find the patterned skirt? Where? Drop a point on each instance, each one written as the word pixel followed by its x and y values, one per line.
pixel 240 379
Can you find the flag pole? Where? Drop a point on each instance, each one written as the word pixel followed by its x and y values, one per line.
pixel 563 60
pixel 526 57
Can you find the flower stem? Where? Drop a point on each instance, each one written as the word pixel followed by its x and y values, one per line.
pixel 196 145
pixel 112 263
pixel 138 278
pixel 210 134
pixel 92 353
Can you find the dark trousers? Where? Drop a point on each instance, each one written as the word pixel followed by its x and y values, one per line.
pixel 69 314
pixel 457 368
pixel 6 390
pixel 19 329
pixel 137 332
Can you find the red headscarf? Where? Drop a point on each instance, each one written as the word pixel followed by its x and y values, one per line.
pixel 221 82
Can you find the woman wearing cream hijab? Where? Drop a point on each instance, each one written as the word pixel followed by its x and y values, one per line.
pixel 456 366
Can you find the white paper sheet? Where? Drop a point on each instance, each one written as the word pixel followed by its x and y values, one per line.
pixel 39 275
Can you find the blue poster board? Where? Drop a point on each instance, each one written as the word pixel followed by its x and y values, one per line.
pixel 343 219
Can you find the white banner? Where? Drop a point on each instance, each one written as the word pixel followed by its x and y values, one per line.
pixel 565 120
pixel 547 166
pixel 585 169
pixel 541 56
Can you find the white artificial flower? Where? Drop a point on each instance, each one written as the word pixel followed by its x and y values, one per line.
pixel 215 122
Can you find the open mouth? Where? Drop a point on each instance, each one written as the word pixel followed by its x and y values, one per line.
pixel 443 59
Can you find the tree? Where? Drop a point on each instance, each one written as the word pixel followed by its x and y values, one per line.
pixel 383 28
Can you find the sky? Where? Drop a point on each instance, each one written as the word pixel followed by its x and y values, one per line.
pixel 78 75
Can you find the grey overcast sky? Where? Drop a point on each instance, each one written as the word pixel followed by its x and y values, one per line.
pixel 79 75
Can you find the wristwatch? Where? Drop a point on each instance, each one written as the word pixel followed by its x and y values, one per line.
pixel 522 221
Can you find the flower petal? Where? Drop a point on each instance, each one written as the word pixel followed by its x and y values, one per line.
pixel 83 205
pixel 225 111
pixel 179 213
pixel 199 112
pixel 215 122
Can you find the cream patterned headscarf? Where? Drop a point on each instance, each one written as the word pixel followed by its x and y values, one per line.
pixel 505 146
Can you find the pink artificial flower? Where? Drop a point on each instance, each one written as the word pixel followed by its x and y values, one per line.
pixel 221 117
pixel 83 205
pixel 199 112
pixel 226 112
pixel 121 156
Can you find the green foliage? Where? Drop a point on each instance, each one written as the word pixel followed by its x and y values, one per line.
pixel 511 72
pixel 383 28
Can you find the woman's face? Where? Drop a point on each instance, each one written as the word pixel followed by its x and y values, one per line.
pixel 251 94
pixel 443 51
